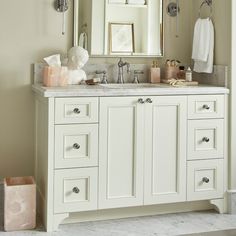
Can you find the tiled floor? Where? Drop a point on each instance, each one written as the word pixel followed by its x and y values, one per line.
pixel 163 225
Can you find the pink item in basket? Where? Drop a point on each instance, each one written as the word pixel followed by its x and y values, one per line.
pixel 55 76
pixel 19 203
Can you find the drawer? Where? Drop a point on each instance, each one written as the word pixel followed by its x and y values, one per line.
pixel 206 106
pixel 76 145
pixel 75 190
pixel 205 180
pixel 76 110
pixel 205 139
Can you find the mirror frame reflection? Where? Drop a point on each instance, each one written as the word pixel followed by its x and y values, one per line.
pixel 76 36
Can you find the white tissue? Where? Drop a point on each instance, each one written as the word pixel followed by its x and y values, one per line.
pixel 53 60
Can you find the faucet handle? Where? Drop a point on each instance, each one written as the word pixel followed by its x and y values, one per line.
pixel 136 76
pixel 135 80
pixel 99 72
pixel 104 79
pixel 138 72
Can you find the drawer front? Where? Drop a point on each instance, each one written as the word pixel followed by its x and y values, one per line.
pixel 205 180
pixel 206 106
pixel 76 145
pixel 75 190
pixel 205 139
pixel 76 110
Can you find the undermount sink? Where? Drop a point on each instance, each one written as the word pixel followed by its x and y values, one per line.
pixel 130 86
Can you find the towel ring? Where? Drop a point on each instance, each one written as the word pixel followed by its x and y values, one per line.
pixel 209 4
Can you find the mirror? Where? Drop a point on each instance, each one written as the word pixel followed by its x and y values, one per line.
pixel 112 28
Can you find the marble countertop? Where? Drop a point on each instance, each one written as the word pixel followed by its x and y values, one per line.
pixel 125 90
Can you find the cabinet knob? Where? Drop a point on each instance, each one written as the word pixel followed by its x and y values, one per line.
pixel 141 101
pixel 205 180
pixel 149 100
pixel 76 190
pixel 76 111
pixel 205 139
pixel 206 107
pixel 76 146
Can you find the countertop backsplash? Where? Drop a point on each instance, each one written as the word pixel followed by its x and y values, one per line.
pixel 218 78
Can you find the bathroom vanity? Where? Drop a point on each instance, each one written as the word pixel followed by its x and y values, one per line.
pixel 125 150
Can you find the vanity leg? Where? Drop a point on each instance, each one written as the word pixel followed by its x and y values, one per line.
pixel 219 205
pixel 58 218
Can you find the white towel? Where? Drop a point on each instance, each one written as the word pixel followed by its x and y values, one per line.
pixel 203 46
pixel 83 40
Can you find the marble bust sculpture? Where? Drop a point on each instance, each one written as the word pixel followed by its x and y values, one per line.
pixel 77 58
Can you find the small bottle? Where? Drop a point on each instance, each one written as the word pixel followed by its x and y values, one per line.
pixel 189 75
pixel 155 73
pixel 181 73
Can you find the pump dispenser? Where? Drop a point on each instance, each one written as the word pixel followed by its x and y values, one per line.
pixel 155 73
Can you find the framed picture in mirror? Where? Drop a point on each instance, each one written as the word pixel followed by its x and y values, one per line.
pixel 121 37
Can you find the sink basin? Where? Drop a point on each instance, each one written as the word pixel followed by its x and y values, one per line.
pixel 131 86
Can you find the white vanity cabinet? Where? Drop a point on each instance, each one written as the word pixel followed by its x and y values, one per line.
pixel 165 150
pixel 207 147
pixel 142 157
pixel 123 152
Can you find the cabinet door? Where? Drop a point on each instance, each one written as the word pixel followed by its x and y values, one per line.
pixel 165 150
pixel 121 152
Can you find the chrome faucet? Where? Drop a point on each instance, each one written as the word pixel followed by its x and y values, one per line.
pixel 121 65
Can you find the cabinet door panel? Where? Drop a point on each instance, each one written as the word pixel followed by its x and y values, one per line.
pixel 121 153
pixel 165 150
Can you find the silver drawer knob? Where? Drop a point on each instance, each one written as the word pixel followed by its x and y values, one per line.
pixel 141 101
pixel 205 180
pixel 76 111
pixel 76 190
pixel 206 107
pixel 76 146
pixel 149 100
pixel 206 140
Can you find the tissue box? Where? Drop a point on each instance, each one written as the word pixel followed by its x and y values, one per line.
pixel 55 76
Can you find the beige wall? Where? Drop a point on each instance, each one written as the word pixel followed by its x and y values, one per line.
pixel 31 29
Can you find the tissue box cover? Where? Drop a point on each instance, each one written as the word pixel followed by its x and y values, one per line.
pixel 55 76
pixel 19 203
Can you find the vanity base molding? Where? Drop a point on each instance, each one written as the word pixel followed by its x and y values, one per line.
pixel 100 158
pixel 120 213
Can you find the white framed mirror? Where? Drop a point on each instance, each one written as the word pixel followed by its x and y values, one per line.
pixel 113 28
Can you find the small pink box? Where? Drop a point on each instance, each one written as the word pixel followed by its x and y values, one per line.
pixel 19 203
pixel 54 76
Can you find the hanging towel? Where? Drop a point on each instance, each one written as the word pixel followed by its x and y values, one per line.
pixel 83 40
pixel 203 46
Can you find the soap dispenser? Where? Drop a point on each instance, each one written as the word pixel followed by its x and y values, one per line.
pixel 189 75
pixel 155 73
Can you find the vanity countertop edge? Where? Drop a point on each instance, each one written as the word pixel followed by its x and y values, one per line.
pixel 100 91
